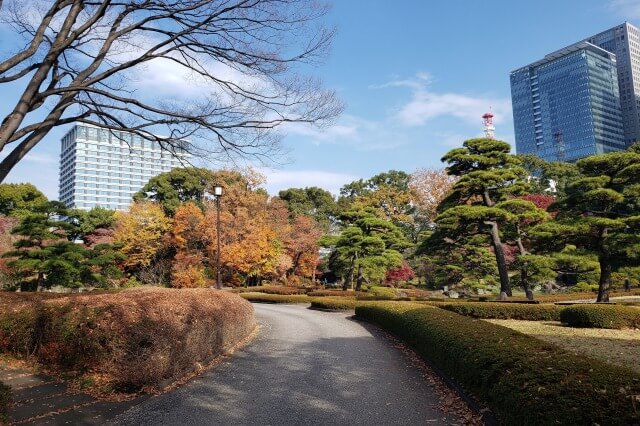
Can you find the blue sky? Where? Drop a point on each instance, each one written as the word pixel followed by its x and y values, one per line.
pixel 415 75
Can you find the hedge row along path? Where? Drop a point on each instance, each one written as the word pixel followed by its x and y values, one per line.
pixel 306 367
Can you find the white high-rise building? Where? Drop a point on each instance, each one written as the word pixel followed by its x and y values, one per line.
pixel 103 167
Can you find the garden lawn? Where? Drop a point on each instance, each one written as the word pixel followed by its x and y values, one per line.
pixel 619 347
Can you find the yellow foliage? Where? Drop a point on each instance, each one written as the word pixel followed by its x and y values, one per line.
pixel 141 231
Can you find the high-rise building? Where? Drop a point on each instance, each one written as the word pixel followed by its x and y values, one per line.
pixel 567 105
pixel 624 41
pixel 103 167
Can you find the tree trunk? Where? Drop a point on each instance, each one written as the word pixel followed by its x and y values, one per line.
pixel 505 288
pixel 524 279
pixel 347 282
pixel 359 279
pixel 525 283
pixel 605 279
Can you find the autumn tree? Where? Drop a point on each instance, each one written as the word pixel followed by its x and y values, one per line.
pixel 429 187
pixel 302 245
pixel 488 174
pixel 140 231
pixel 188 240
pixel 78 61
pixel 400 274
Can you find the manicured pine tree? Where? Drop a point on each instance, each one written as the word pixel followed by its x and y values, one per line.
pixel 524 215
pixel 488 174
pixel 601 213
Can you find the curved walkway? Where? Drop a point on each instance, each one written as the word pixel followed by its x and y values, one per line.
pixel 305 367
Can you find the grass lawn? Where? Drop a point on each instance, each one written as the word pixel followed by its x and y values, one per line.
pixel 619 347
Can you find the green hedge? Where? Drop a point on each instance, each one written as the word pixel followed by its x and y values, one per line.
pixel 524 381
pixel 276 298
pixel 335 303
pixel 505 310
pixel 5 398
pixel 601 316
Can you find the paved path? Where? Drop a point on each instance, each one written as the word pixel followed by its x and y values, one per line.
pixel 304 368
pixel 41 400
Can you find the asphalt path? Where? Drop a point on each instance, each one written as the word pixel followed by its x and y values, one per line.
pixel 305 367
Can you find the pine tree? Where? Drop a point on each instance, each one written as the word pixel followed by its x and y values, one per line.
pixel 601 213
pixel 488 174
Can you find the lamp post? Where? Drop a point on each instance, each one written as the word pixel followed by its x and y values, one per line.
pixel 217 193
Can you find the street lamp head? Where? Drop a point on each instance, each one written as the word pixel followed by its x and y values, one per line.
pixel 217 191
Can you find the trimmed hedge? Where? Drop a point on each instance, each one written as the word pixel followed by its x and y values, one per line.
pixel 601 316
pixel 5 399
pixel 134 340
pixel 283 290
pixel 335 303
pixel 505 310
pixel 335 293
pixel 523 380
pixel 275 298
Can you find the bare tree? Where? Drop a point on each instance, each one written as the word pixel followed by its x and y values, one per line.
pixel 81 59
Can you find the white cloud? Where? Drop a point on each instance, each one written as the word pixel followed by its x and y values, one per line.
pixel 629 9
pixel 40 159
pixel 278 180
pixel 358 132
pixel 426 104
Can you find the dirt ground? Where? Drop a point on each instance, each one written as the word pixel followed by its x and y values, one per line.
pixel 620 347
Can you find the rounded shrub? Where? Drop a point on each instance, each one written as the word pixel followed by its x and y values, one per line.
pixel 601 316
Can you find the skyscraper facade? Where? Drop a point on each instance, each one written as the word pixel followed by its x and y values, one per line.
pixel 567 105
pixel 103 167
pixel 624 41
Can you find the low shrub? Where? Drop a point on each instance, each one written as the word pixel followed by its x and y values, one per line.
pixel 132 340
pixel 271 290
pixel 335 303
pixel 276 298
pixel 523 380
pixel 335 293
pixel 5 399
pixel 601 316
pixel 505 310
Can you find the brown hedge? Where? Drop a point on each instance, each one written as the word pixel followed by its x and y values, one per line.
pixel 601 316
pixel 523 380
pixel 134 339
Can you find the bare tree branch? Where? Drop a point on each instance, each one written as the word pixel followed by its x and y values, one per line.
pixel 82 60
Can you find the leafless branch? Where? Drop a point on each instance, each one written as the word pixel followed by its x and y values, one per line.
pixel 83 60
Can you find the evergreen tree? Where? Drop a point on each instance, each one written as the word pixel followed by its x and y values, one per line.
pixel 488 174
pixel 601 213
pixel 369 245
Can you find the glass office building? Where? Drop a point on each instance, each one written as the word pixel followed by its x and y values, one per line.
pixel 567 105
pixel 624 41
pixel 102 167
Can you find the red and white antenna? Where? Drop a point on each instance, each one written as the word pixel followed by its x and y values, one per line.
pixel 489 129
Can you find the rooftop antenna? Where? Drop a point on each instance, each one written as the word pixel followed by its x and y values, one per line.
pixel 489 128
